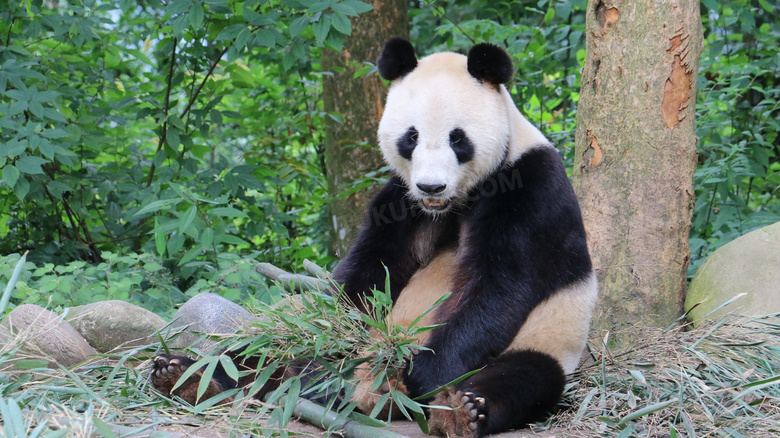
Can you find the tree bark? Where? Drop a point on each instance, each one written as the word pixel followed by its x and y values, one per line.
pixel 350 147
pixel 635 154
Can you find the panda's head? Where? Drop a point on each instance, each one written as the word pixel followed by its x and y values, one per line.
pixel 448 122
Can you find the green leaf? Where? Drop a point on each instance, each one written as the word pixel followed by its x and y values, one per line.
pixel 228 212
pixel 172 137
pixel 157 205
pixel 207 238
pixel 229 366
pixel 196 15
pixel 205 379
pixel 187 219
pixel 179 24
pixel 55 133
pixel 10 175
pixel 103 428
pixel 230 32
pixel 767 7
pixel 21 188
pixel 30 165
pixel 358 6
pixel 344 8
pixel 322 27
pixel 13 148
pixel 233 240
pixel 647 410
pixel 341 23
pixel 298 25
pixel 31 364
pixel 189 255
pixel 175 243
pixel 159 240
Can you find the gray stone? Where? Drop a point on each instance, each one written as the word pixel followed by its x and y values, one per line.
pixel 749 265
pixel 42 335
pixel 111 324
pixel 210 314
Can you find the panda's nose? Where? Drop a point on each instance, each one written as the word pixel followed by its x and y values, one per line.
pixel 431 189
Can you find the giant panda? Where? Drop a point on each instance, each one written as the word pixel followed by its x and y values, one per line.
pixel 479 207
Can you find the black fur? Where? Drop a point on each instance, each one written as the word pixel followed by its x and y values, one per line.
pixel 386 241
pixel 397 59
pixel 461 145
pixel 407 143
pixel 390 227
pixel 490 63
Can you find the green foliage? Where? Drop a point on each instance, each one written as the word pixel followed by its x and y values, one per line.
pixel 142 279
pixel 191 130
pixel 185 129
pixel 738 113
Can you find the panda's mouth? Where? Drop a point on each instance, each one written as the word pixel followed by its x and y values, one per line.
pixel 435 204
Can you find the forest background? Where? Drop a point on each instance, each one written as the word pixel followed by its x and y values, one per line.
pixel 154 150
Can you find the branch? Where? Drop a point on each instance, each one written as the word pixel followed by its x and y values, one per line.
pixel 298 282
pixel 164 132
pixel 203 82
pixel 8 35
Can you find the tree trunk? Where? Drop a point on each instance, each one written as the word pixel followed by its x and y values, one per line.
pixel 350 147
pixel 635 154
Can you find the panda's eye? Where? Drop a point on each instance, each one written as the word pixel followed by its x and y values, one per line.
pixel 407 143
pixel 461 145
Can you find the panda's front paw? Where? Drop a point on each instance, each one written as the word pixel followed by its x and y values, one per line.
pixel 467 417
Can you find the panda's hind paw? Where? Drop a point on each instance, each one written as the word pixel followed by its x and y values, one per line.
pixel 466 418
pixel 476 409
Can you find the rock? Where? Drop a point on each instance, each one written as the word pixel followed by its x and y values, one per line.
pixel 748 265
pixel 43 335
pixel 211 314
pixel 107 325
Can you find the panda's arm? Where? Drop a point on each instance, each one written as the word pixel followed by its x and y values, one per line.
pixel 524 241
pixel 384 241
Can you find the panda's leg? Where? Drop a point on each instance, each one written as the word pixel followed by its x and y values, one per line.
pixel 513 390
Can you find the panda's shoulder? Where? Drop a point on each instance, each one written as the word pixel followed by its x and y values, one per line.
pixel 538 167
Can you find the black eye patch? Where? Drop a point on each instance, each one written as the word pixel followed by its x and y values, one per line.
pixel 460 143
pixel 407 143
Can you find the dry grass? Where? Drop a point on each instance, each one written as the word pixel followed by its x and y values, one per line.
pixel 718 379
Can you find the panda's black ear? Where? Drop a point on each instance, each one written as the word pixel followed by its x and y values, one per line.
pixel 490 63
pixel 397 59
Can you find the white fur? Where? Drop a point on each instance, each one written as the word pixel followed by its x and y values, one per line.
pixel 438 96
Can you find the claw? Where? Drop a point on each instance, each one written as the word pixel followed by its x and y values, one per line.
pixel 481 417
pixel 480 400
